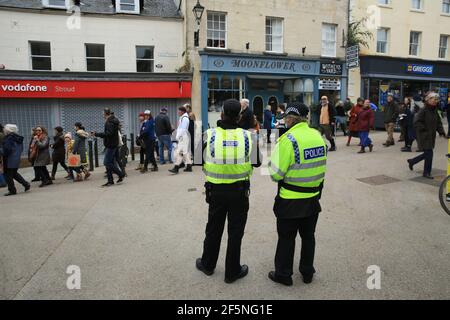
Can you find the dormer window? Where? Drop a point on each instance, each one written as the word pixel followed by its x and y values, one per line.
pixel 57 4
pixel 128 6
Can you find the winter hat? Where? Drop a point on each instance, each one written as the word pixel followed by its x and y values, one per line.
pixel 11 128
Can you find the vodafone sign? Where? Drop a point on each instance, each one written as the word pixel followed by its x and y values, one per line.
pixel 94 89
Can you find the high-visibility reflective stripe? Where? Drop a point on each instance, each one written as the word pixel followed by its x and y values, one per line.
pixel 212 143
pixel 226 176
pixel 276 169
pixel 225 161
pixel 312 165
pixel 247 145
pixel 307 179
pixel 296 148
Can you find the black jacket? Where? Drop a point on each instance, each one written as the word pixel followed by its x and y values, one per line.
pixel 391 111
pixel 247 120
pixel 427 122
pixel 162 125
pixel 111 134
pixel 59 151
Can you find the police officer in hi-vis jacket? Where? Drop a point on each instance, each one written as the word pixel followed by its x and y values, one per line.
pixel 298 165
pixel 230 153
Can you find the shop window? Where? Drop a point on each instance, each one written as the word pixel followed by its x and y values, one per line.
pixel 213 83
pixel 40 55
pixel 95 57
pixel 226 83
pixel 57 4
pixel 216 30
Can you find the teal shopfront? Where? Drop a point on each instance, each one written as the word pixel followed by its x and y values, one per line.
pixel 262 80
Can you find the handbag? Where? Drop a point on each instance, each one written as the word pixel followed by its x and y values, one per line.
pixel 73 160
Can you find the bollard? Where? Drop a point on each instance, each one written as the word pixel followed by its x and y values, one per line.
pixel 91 156
pixel 96 152
pixel 132 146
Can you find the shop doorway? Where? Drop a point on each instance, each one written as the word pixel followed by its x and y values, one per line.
pixel 258 108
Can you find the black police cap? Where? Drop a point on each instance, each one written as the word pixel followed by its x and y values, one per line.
pixel 232 108
pixel 297 109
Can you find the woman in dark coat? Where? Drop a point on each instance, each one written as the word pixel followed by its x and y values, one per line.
pixel 427 122
pixel 366 119
pixel 268 116
pixel 32 158
pixel 79 147
pixel 11 151
pixel 41 143
pixel 59 151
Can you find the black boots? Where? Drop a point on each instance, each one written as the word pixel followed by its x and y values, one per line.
pixel 333 145
pixel 188 168
pixel 175 170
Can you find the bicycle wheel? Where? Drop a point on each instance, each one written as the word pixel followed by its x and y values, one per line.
pixel 443 192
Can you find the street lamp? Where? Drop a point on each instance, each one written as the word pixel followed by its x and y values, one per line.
pixel 198 13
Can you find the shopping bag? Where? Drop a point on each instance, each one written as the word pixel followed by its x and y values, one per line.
pixel 74 160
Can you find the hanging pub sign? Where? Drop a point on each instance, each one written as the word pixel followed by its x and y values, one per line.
pixel 330 84
pixel 329 68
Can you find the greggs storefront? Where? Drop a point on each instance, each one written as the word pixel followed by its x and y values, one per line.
pixel 57 99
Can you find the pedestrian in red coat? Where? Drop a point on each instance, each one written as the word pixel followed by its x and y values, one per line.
pixel 366 119
pixel 353 126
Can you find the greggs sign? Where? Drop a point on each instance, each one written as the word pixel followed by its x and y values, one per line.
pixel 94 89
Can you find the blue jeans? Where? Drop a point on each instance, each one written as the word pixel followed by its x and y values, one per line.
pixel 165 140
pixel 111 164
pixel 2 180
pixel 365 140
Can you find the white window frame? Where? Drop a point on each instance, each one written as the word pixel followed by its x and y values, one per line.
pixel 447 37
pixel 386 2
pixel 420 5
pixel 419 40
pixel 387 40
pixel 325 40
pixel 446 4
pixel 30 42
pixel 271 35
pixel 94 58
pixel 141 59
pixel 218 30
pixel 137 9
pixel 47 4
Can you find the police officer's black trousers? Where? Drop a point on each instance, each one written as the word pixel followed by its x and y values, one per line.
pixel 287 232
pixel 232 204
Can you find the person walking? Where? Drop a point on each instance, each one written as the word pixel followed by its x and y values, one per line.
pixel 183 150
pixel 32 156
pixel 69 148
pixel 391 112
pixel 229 156
pixel 341 117
pixel 41 143
pixel 192 119
pixel 59 151
pixel 327 121
pixel 2 174
pixel 298 165
pixel 163 130
pixel 79 147
pixel 406 120
pixel 353 121
pixel 140 142
pixel 148 135
pixel 11 150
pixel 427 122
pixel 365 123
pixel 280 124
pixel 267 123
pixel 110 138
pixel 246 116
